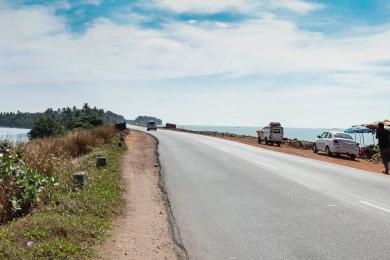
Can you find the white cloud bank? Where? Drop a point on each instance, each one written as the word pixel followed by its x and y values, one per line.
pixel 245 6
pixel 210 6
pixel 298 6
pixel 35 48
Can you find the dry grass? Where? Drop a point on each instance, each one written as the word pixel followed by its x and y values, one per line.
pixel 49 155
pixel 72 221
pixel 54 156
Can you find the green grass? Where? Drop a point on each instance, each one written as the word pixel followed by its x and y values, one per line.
pixel 72 222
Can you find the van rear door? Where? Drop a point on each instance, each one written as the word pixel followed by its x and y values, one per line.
pixel 277 133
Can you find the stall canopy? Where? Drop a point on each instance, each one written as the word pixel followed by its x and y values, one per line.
pixel 374 125
pixel 360 130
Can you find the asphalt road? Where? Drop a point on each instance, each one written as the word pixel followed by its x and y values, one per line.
pixel 234 201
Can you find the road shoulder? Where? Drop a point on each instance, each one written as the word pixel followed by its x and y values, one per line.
pixel 141 231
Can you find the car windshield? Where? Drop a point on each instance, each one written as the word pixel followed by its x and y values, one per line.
pixel 343 136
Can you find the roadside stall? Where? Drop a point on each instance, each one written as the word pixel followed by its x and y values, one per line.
pixel 359 131
pixel 369 151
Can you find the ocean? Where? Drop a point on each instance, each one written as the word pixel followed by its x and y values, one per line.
pixel 306 134
pixel 14 135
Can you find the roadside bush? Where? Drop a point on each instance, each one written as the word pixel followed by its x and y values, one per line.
pixel 20 187
pixel 48 155
pixel 28 172
pixel 369 151
pixel 44 127
pixel 71 222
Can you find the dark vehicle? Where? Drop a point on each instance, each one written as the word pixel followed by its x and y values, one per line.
pixel 151 126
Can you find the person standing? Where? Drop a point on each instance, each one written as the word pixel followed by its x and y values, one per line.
pixel 383 137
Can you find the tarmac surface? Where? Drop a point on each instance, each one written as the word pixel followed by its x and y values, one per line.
pixel 235 201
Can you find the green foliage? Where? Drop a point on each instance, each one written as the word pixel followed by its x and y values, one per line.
pixel 20 187
pixel 73 220
pixel 69 117
pixel 45 127
pixel 369 151
pixel 143 120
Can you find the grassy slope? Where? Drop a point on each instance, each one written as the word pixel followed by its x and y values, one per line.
pixel 73 221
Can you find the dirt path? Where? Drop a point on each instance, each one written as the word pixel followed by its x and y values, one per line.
pixel 141 231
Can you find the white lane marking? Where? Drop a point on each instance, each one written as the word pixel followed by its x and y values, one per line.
pixel 224 150
pixel 375 206
pixel 331 205
pixel 266 165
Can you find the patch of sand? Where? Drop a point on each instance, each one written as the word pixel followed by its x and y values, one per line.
pixel 341 160
pixel 141 231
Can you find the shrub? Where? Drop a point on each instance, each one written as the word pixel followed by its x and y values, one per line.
pixel 44 127
pixel 47 155
pixel 20 187
pixel 51 159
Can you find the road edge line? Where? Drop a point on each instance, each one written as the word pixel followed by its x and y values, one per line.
pixel 375 206
pixel 180 250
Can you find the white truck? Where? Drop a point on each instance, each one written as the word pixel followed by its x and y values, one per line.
pixel 271 134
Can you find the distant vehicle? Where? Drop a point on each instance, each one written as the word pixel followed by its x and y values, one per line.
pixel 333 142
pixel 151 126
pixel 272 134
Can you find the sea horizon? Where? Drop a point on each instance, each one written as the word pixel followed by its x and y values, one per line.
pixel 299 133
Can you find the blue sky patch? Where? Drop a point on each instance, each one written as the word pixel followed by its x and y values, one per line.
pixel 336 16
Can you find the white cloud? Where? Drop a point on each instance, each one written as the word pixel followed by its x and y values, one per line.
pixel 245 6
pixel 39 48
pixel 299 6
pixel 36 49
pixel 210 6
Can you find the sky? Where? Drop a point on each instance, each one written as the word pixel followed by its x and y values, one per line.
pixel 305 63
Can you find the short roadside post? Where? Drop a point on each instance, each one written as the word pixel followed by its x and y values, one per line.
pixel 101 161
pixel 80 180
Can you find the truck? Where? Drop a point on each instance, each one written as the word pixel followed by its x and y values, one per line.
pixel 271 134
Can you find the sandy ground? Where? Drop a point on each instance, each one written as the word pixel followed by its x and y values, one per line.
pixel 142 230
pixel 341 160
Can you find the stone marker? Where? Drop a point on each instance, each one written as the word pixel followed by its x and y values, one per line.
pixel 101 162
pixel 80 179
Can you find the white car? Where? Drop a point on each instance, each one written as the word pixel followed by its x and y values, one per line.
pixel 333 142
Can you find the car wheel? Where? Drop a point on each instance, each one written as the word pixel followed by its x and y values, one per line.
pixel 327 151
pixel 315 150
pixel 353 157
pixel 278 144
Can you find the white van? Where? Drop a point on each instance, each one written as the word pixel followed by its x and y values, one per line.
pixel 151 126
pixel 272 134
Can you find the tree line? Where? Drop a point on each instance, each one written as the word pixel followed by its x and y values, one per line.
pixel 53 122
pixel 143 120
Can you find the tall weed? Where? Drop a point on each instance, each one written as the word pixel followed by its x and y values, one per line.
pixel 28 172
